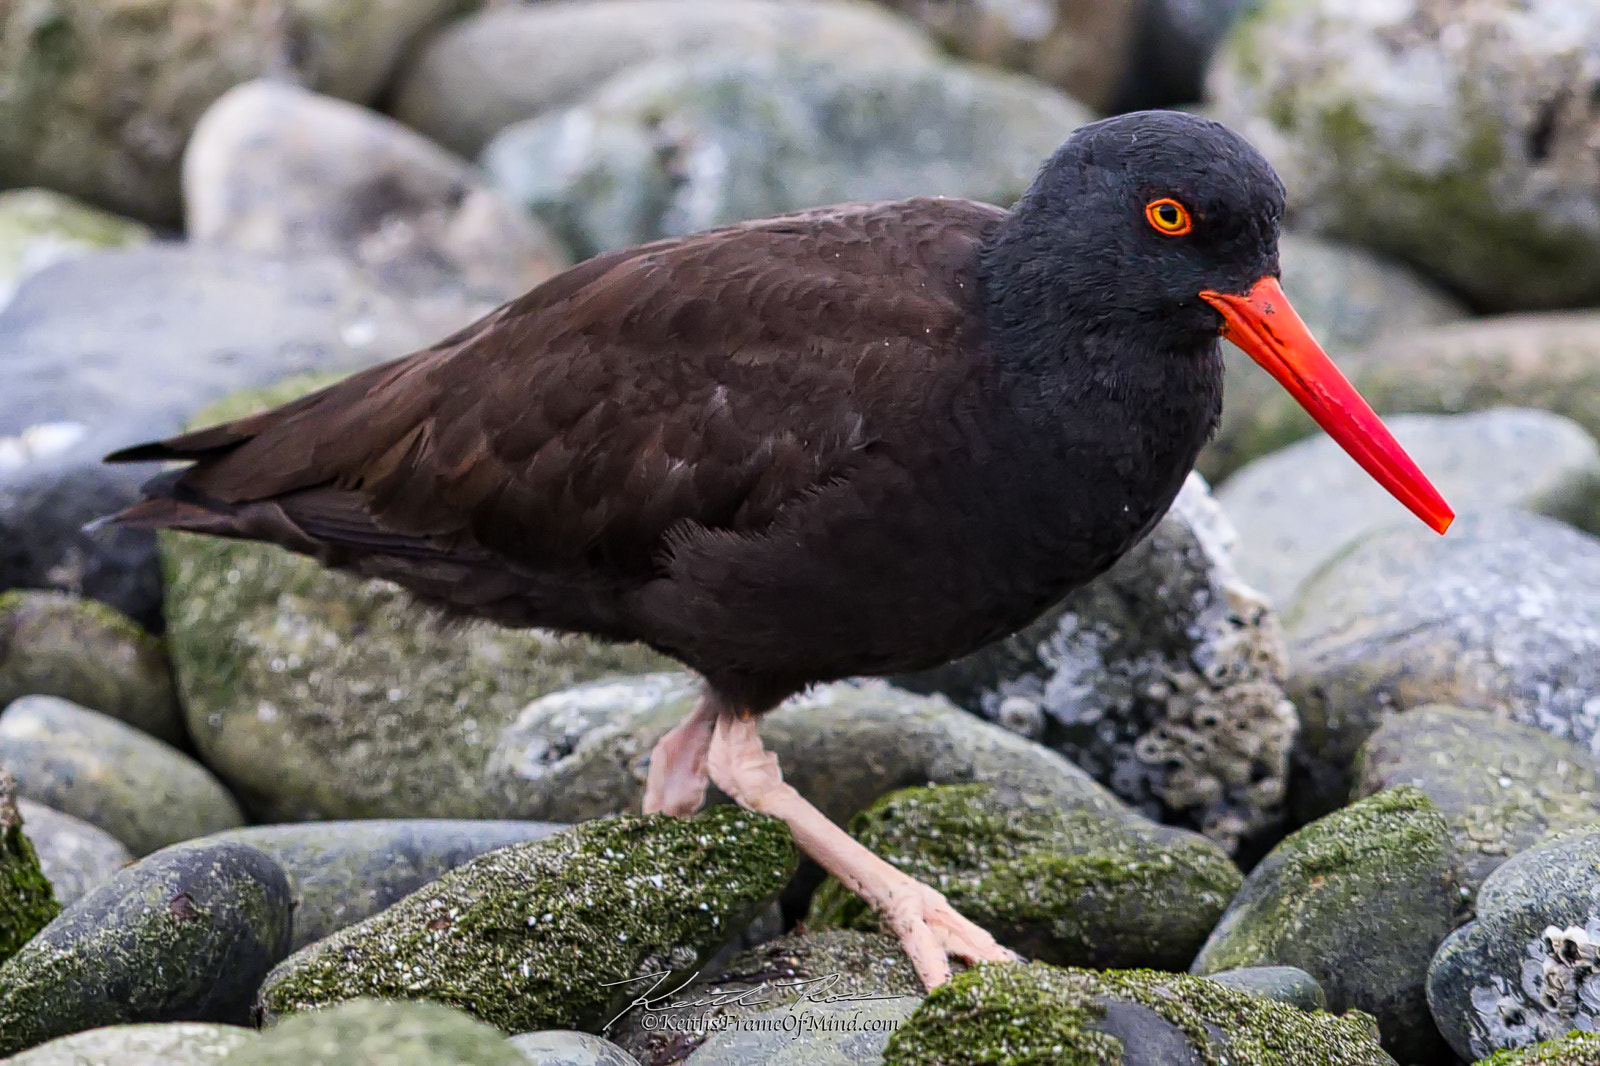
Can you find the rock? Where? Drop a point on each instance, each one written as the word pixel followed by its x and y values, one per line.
pixel 83 763
pixel 1162 678
pixel 167 1044
pixel 795 973
pixel 1528 969
pixel 682 145
pixel 169 59
pixel 53 644
pixel 27 902
pixel 185 935
pixel 1172 48
pixel 1037 1015
pixel 1501 786
pixel 344 872
pixel 277 170
pixel 1358 900
pixel 498 937
pixel 1575 1049
pixel 825 1034
pixel 1498 616
pixel 74 855
pixel 508 63
pixel 1058 885
pixel 1296 508
pixel 563 1047
pixel 39 227
pixel 1455 136
pixel 368 1032
pixel 1549 361
pixel 1286 984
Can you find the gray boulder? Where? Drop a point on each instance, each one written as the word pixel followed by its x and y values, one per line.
pixel 368 1032
pixel 1286 984
pixel 1162 678
pixel 825 1034
pixel 1455 136
pixel 39 227
pixel 564 1047
pixel 74 855
pixel 157 1044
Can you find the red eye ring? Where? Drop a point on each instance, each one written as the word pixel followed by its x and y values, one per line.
pixel 1168 217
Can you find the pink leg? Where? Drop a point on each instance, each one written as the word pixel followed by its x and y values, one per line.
pixel 677 780
pixel 929 929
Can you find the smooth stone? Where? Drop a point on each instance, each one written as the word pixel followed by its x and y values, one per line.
pixel 145 793
pixel 39 227
pixel 1501 786
pixel 685 144
pixel 562 1047
pixel 1500 615
pixel 1296 508
pixel 277 170
pixel 163 1044
pixel 345 872
pixel 1286 984
pixel 826 1034
pixel 1057 885
pixel 1039 1014
pixel 185 935
pixel 27 901
pixel 52 644
pixel 1358 900
pixel 504 64
pixel 1546 361
pixel 367 1032
pixel 74 855
pixel 1528 969
pixel 1162 678
pixel 556 933
pixel 1574 1049
pixel 1455 137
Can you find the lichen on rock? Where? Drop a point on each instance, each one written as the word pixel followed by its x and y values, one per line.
pixel 27 902
pixel 1574 1049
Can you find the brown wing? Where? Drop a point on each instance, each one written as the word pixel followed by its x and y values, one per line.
pixel 712 379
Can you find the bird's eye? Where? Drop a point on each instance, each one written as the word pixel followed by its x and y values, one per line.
pixel 1168 216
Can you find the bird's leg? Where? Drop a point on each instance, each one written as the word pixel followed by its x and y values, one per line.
pixel 677 780
pixel 929 929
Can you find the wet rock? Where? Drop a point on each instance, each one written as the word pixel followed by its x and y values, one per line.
pixel 168 59
pixel 497 937
pixel 1296 508
pixel 1549 361
pixel 1359 900
pixel 344 872
pixel 1286 984
pixel 367 1032
pixel 563 1047
pixel 278 170
pixel 1058 885
pixel 53 644
pixel 682 145
pixel 1528 969
pixel 508 63
pixel 1499 616
pixel 825 1034
pixel 1455 136
pixel 83 763
pixel 27 902
pixel 1575 1049
pixel 167 1044
pixel 1037 1014
pixel 186 935
pixel 1501 786
pixel 1162 678
pixel 74 855
pixel 39 227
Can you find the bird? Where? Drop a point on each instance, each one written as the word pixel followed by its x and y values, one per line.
pixel 846 441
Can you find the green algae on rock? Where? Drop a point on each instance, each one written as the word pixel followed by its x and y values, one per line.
pixel 1359 900
pixel 369 1032
pixel 561 933
pixel 1575 1049
pixel 1064 885
pixel 1038 1015
pixel 27 902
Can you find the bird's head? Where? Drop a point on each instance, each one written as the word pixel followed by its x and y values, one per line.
pixel 1172 221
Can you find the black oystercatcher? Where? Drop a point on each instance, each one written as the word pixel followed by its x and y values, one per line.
pixel 852 440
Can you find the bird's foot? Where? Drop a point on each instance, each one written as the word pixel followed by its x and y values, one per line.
pixel 930 930
pixel 677 780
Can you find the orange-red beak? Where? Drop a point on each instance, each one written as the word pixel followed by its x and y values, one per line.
pixel 1262 323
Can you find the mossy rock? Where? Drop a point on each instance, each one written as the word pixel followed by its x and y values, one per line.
pixel 1060 884
pixel 27 902
pixel 158 1044
pixel 1359 900
pixel 367 1032
pixel 549 934
pixel 39 227
pixel 1577 1049
pixel 1037 1015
